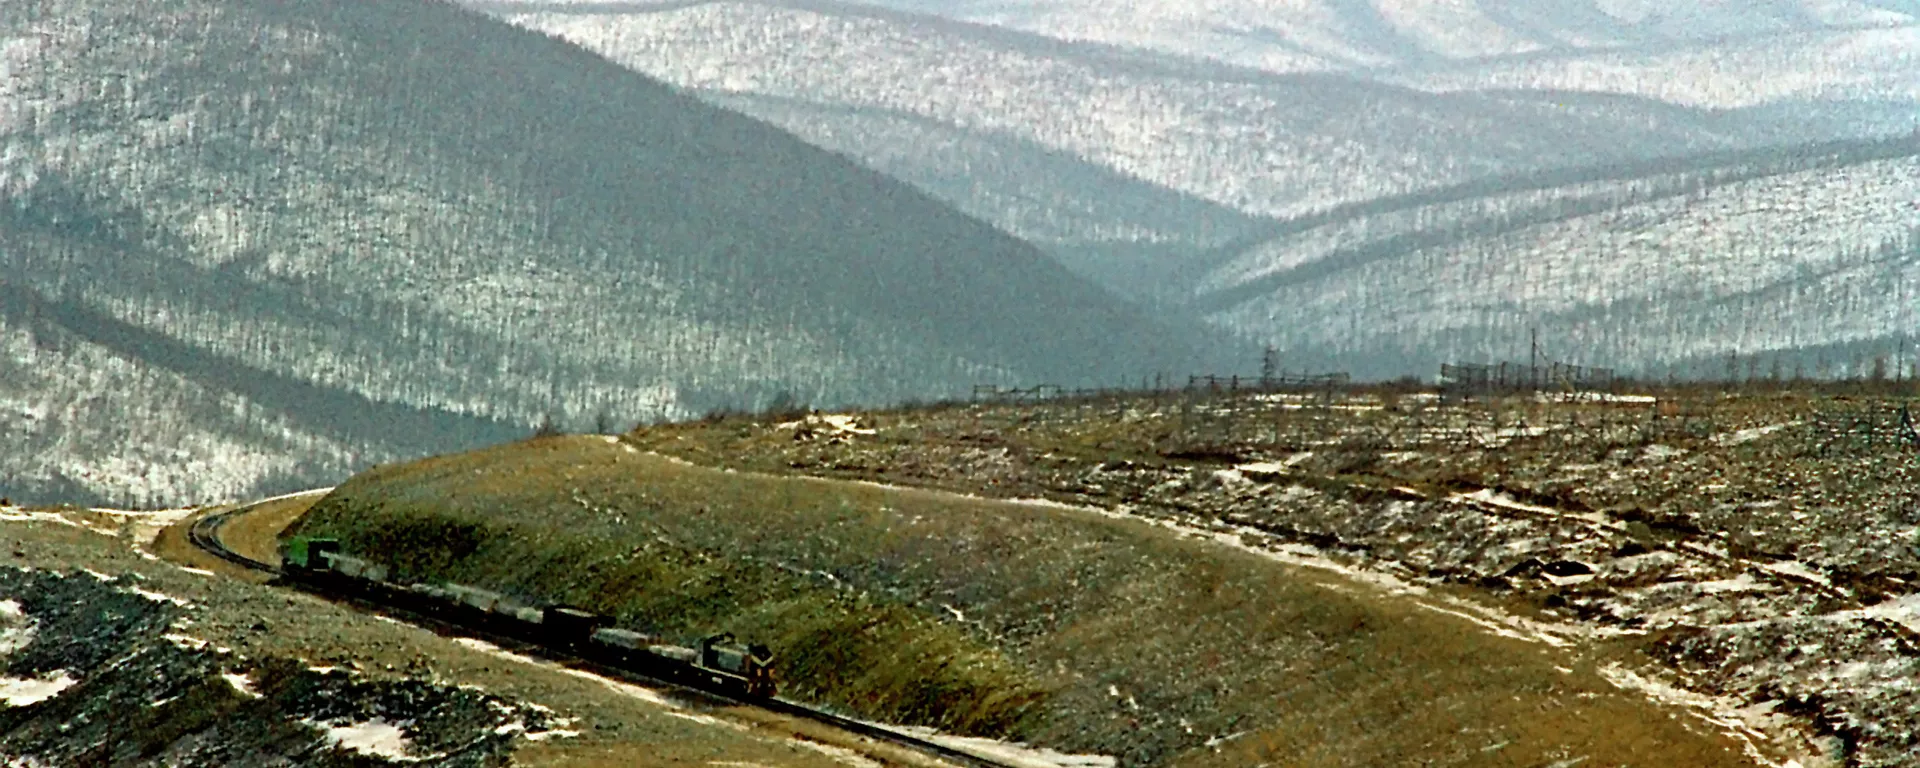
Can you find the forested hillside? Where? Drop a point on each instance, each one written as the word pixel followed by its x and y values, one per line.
pixel 1803 261
pixel 1123 161
pixel 288 212
pixel 1320 35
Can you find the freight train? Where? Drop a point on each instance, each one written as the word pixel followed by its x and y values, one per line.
pixel 720 663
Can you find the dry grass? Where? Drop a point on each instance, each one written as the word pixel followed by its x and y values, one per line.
pixel 1082 632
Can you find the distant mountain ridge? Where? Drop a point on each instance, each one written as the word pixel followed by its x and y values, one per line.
pixel 1809 259
pixel 1068 141
pixel 1346 35
pixel 408 205
pixel 1324 166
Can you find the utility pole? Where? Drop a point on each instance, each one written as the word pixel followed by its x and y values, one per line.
pixel 1533 359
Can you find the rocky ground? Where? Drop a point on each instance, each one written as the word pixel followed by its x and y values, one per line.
pixel 112 655
pixel 1763 559
pixel 102 670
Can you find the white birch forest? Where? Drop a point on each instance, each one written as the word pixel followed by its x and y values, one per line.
pixel 297 238
pixel 257 245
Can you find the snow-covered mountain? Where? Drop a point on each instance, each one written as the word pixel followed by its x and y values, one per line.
pixel 1811 258
pixel 1124 137
pixel 1320 173
pixel 1340 35
pixel 1258 143
pixel 351 232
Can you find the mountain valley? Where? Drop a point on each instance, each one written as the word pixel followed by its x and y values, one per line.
pixel 319 211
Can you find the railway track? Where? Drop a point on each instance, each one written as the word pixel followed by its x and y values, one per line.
pixel 204 534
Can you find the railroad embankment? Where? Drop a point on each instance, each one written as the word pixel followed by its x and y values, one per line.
pixel 112 652
pixel 1072 628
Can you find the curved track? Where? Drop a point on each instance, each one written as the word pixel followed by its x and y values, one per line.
pixel 204 534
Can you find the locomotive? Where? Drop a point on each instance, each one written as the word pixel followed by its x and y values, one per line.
pixel 720 663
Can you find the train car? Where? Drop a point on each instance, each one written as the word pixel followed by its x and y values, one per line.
pixel 720 662
pixel 358 569
pixel 303 555
pixel 746 669
pixel 568 627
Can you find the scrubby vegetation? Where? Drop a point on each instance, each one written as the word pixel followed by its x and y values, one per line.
pixel 1067 627
pixel 1757 539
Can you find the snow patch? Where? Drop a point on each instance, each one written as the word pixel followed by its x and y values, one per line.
pixel 629 690
pixel 1799 570
pixel 21 692
pixel 835 424
pixel 1903 610
pixel 160 597
pixel 1006 753
pixel 1304 556
pixel 1493 498
pixel 521 728
pixel 373 738
pixel 1658 452
pixel 1594 397
pixel 1750 435
pixel 840 755
pixel 23 516
pixel 708 720
pixel 16 628
pixel 1747 725
pixel 1745 582
pixel 241 683
pixel 183 641
pixel 1262 471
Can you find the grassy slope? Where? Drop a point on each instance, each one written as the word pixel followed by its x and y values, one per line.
pixel 1080 631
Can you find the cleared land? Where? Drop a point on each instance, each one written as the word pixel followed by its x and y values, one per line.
pixel 1067 627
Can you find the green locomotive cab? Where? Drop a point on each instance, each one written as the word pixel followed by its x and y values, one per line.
pixel 308 554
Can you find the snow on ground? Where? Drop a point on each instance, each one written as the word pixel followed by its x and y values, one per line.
pixel 1308 36
pixel 709 720
pixel 649 695
pixel 1750 435
pixel 21 692
pixel 1903 610
pixel 1007 753
pixel 14 515
pixel 1747 725
pixel 1300 555
pixel 373 738
pixel 1744 582
pixel 1263 470
pixel 1495 498
pixel 16 627
pixel 144 526
pixel 159 597
pixel 1798 570
pixel 840 755
pixel 241 683
pixel 1864 64
pixel 1593 397
pixel 832 423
